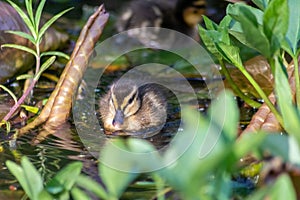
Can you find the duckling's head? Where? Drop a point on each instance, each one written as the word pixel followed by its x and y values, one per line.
pixel 191 11
pixel 124 102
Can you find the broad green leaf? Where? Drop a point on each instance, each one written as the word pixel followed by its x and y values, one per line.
pixel 208 37
pixel 78 194
pixel 92 186
pixel 45 66
pixel 262 4
pixel 68 175
pixel 20 47
pixel 284 100
pixel 23 35
pixel 33 177
pixel 50 22
pixel 250 20
pixel 31 109
pixel 224 113
pixel 209 24
pixel 117 181
pixel 56 53
pixel 25 18
pixel 18 172
pixel 283 189
pixel 293 33
pixel 230 53
pixel 45 195
pixel 275 23
pixel 38 14
pixel 284 146
pixel 234 10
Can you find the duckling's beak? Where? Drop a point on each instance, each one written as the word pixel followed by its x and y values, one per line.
pixel 118 119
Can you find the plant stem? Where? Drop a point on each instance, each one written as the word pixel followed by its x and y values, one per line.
pixel 20 101
pixel 262 94
pixel 235 88
pixel 296 74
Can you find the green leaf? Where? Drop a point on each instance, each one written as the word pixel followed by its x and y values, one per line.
pixel 293 33
pixel 24 76
pixel 78 194
pixel 18 172
pixel 284 146
pixel 33 178
pixel 45 66
pixel 49 23
pixel 31 109
pixel 38 14
pixel 56 53
pixel 262 4
pixel 25 18
pixel 92 186
pixel 284 100
pixel 67 176
pixel 45 195
pixel 117 181
pixel 230 53
pixel 20 47
pixel 283 189
pixel 28 4
pixel 224 113
pixel 275 23
pixel 10 93
pixel 250 20
pixel 23 35
pixel 209 24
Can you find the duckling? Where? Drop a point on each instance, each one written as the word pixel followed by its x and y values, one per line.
pixel 179 15
pixel 129 109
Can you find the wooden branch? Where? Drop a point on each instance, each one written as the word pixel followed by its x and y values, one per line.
pixel 57 110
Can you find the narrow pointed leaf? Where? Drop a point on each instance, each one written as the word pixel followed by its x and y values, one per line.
pixel 20 47
pixel 24 17
pixel 56 53
pixel 10 93
pixel 38 14
pixel 28 4
pixel 50 22
pixel 23 35
pixel 45 66
pixel 24 76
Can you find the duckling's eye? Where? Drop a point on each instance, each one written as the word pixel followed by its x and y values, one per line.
pixel 131 99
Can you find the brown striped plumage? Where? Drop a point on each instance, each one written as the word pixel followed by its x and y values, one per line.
pixel 129 109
